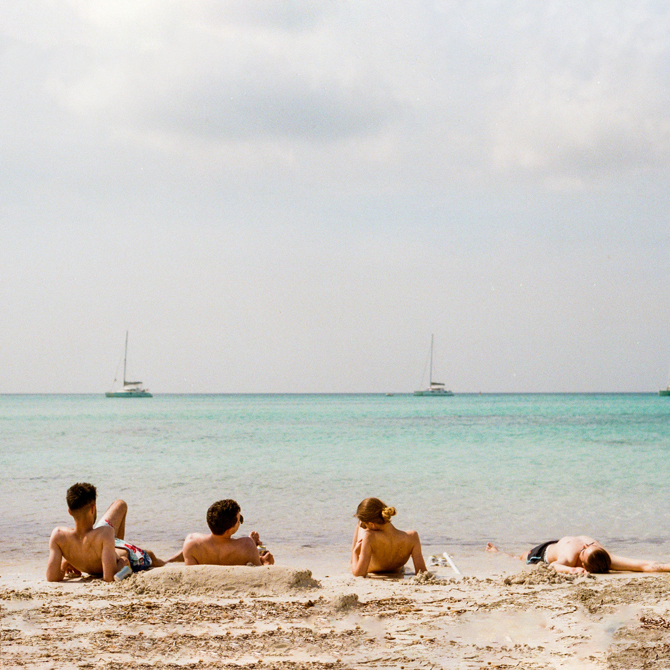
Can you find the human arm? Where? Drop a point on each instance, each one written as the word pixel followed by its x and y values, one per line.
pixel 55 570
pixel 69 570
pixel 637 565
pixel 361 555
pixel 189 551
pixel 566 560
pixel 567 569
pixel 417 556
pixel 108 554
pixel 267 558
pixel 251 552
pixel 353 544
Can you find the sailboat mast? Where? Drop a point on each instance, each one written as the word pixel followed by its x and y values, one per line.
pixel 125 358
pixel 431 358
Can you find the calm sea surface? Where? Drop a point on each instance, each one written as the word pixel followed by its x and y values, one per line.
pixel 514 469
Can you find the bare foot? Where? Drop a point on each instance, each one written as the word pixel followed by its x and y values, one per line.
pixel 155 561
pixel 491 548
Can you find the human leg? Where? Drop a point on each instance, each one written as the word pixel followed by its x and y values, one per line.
pixel 155 561
pixel 492 549
pixel 116 517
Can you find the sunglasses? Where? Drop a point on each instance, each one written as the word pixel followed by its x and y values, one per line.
pixel 241 519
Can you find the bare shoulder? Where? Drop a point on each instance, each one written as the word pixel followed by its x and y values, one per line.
pixel 412 536
pixel 195 540
pixel 59 533
pixel 196 548
pixel 62 536
pixel 246 543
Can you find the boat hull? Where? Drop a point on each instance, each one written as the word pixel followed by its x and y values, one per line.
pixel 664 392
pixel 436 394
pixel 128 394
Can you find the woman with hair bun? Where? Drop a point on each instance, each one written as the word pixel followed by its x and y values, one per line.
pixel 378 545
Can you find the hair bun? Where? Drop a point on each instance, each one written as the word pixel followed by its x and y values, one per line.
pixel 388 512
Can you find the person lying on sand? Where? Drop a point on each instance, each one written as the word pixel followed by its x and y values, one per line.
pixel 220 547
pixel 94 548
pixel 581 554
pixel 378 545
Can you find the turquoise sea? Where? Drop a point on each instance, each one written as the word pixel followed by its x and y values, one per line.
pixel 513 469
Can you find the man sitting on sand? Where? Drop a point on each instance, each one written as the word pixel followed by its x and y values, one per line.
pixel 94 548
pixel 581 554
pixel 220 547
pixel 378 545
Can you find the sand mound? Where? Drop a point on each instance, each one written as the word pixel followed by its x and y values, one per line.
pixel 216 580
pixel 345 602
pixel 611 594
pixel 540 574
pixel 423 578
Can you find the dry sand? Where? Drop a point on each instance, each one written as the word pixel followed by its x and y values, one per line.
pixel 259 618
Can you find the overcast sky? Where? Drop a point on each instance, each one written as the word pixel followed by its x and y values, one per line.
pixel 292 196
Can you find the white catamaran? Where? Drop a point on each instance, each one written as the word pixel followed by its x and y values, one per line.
pixel 129 389
pixel 435 388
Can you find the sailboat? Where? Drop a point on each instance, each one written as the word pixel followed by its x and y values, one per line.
pixel 435 388
pixel 129 389
pixel 666 390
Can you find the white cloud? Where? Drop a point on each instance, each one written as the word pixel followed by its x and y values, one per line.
pixel 365 167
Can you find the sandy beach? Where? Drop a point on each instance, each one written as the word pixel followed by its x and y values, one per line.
pixel 505 616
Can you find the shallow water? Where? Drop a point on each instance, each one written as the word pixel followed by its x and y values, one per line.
pixel 514 469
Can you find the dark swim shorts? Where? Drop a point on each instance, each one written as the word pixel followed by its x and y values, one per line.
pixel 536 554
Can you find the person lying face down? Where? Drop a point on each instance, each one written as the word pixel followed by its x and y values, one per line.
pixel 378 545
pixel 95 548
pixel 580 554
pixel 220 547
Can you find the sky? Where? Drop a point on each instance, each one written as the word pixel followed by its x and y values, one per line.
pixel 283 196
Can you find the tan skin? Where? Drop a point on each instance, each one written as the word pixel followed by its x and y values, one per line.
pixel 570 554
pixel 73 551
pixel 201 549
pixel 381 547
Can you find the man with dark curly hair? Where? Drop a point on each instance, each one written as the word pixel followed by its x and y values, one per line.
pixel 220 547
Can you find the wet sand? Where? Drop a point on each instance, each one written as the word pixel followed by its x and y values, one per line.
pixel 505 616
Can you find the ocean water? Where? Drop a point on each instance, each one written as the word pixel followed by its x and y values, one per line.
pixel 512 469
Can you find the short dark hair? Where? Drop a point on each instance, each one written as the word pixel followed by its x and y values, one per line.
pixel 222 515
pixel 79 495
pixel 598 561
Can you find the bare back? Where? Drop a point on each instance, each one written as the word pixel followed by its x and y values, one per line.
pixel 86 552
pixel 385 549
pixel 213 549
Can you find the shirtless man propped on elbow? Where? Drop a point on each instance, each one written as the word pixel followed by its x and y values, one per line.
pixel 94 548
pixel 378 545
pixel 579 554
pixel 220 547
